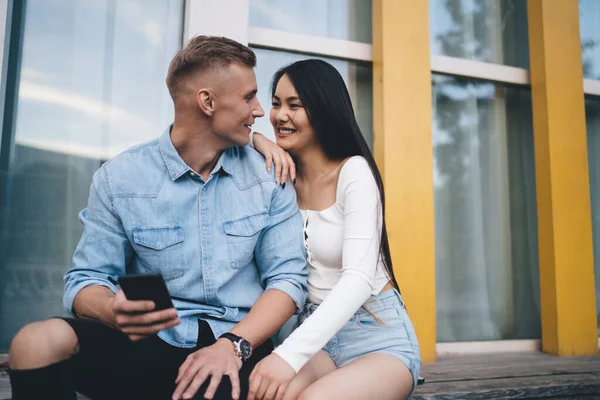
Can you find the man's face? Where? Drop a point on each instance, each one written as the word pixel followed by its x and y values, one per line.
pixel 236 105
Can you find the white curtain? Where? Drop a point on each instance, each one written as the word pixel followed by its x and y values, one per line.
pixel 593 137
pixel 486 279
pixel 336 19
pixel 483 30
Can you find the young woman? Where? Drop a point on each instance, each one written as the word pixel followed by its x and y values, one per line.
pixel 354 339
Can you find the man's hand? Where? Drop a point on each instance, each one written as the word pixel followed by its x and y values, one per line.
pixel 136 318
pixel 216 360
pixel 270 378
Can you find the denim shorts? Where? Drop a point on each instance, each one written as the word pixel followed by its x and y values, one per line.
pixel 382 325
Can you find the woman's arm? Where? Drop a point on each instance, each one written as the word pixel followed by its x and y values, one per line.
pixel 284 164
pixel 273 374
pixel 362 227
pixel 360 255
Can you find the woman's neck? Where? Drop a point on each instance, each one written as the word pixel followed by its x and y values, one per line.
pixel 313 164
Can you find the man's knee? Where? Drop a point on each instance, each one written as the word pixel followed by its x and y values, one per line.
pixel 42 343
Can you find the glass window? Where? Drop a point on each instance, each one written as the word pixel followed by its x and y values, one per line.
pixel 589 12
pixel 487 280
pixel 592 109
pixel 3 9
pixel 336 19
pixel 91 84
pixel 358 78
pixel 481 30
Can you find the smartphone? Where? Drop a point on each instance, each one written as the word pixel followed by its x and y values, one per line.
pixel 147 287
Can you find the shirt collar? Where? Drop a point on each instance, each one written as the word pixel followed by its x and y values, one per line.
pixel 224 162
pixel 175 164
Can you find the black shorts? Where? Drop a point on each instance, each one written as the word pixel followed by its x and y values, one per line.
pixel 110 366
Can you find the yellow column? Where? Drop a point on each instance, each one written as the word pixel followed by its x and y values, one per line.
pixel 563 195
pixel 404 153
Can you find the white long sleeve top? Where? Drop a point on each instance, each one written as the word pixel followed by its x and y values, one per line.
pixel 344 263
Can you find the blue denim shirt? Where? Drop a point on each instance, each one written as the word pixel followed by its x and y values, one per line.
pixel 219 244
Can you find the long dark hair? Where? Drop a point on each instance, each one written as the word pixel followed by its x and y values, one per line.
pixel 327 103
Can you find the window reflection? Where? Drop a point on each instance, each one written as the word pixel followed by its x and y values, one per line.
pixel 589 13
pixel 358 78
pixel 91 85
pixel 481 30
pixel 92 80
pixel 485 212
pixel 336 19
pixel 3 10
pixel 592 111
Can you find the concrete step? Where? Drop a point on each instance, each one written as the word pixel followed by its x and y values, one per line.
pixel 510 376
pixel 493 376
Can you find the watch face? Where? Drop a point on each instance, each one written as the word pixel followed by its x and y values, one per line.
pixel 245 348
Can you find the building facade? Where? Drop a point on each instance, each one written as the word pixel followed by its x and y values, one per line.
pixel 484 117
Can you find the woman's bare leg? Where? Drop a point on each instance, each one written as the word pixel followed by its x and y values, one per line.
pixel 374 376
pixel 318 366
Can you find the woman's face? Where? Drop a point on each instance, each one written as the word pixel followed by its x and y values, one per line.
pixel 293 130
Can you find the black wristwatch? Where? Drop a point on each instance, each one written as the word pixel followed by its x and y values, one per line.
pixel 242 347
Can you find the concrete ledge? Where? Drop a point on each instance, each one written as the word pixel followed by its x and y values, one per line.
pixel 493 376
pixel 509 376
pixel 512 388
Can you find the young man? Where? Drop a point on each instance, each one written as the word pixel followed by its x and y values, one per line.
pixel 197 206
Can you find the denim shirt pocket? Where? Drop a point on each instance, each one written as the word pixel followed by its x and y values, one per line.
pixel 242 235
pixel 160 250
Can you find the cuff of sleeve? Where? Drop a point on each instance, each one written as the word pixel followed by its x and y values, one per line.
pixel 293 358
pixel 292 290
pixel 74 290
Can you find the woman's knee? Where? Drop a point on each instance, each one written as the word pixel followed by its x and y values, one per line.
pixel 42 343
pixel 293 391
pixel 313 393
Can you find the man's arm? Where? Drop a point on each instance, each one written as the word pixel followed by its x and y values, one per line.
pixel 281 259
pixel 272 309
pixel 134 318
pixel 100 258
pixel 95 302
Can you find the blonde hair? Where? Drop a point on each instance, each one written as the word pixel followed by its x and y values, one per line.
pixel 203 53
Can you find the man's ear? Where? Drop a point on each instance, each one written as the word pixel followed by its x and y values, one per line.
pixel 205 99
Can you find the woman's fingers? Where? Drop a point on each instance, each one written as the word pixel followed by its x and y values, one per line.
pixel 285 167
pixel 269 158
pixel 292 167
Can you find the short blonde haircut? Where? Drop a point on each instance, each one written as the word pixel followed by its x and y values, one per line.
pixel 203 53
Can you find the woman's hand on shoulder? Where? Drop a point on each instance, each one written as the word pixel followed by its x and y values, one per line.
pixel 284 164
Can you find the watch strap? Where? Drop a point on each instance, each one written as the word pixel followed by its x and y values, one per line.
pixel 231 336
pixel 237 343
